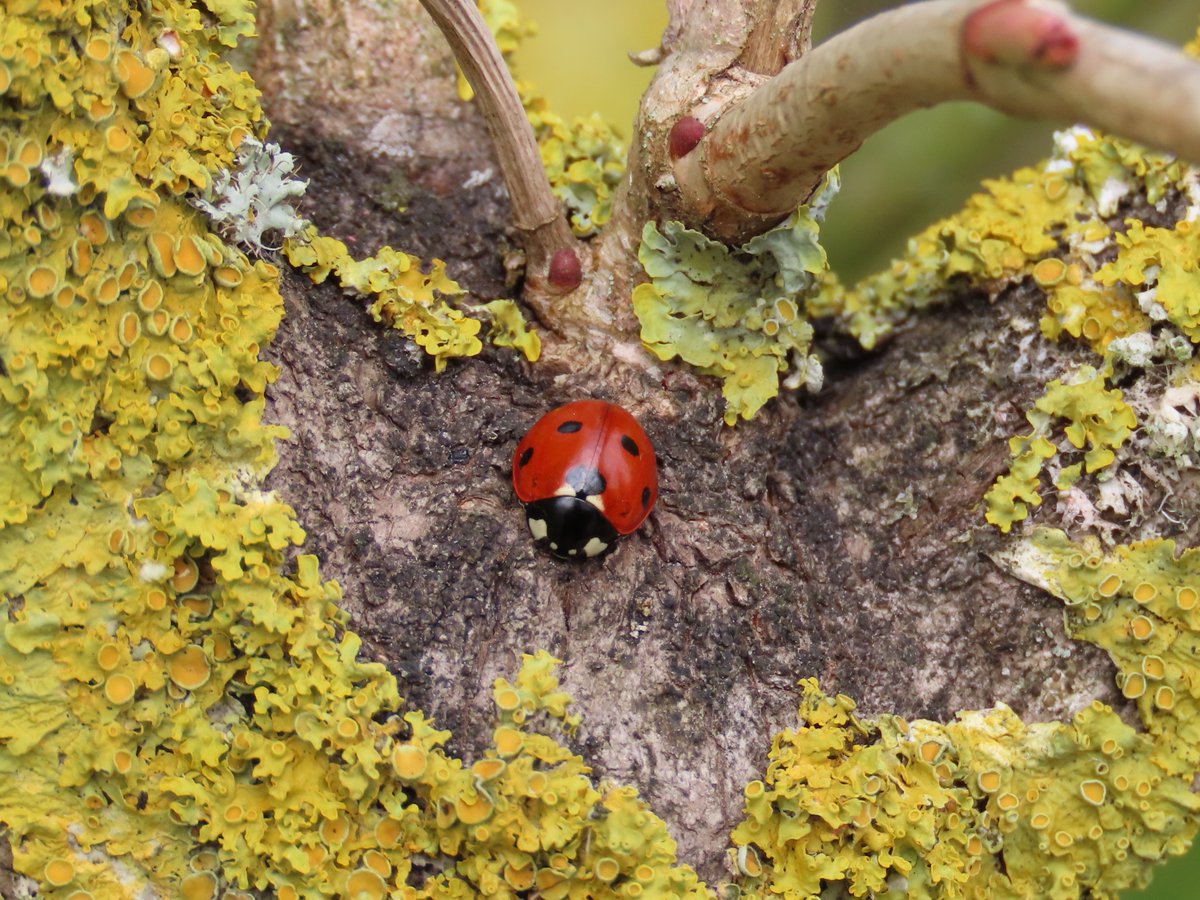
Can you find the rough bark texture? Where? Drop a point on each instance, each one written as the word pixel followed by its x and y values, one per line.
pixel 787 548
pixel 836 536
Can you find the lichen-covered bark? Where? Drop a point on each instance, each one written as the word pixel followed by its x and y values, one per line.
pixel 838 536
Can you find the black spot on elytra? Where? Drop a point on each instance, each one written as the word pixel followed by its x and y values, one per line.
pixel 525 457
pixel 629 445
pixel 569 427
pixel 585 481
pixel 645 497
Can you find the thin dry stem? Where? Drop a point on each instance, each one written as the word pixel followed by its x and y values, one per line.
pixel 537 213
pixel 766 154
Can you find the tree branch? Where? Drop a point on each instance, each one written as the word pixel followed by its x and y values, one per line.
pixel 781 33
pixel 537 213
pixel 764 156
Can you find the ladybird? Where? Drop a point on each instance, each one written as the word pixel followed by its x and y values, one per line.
pixel 586 473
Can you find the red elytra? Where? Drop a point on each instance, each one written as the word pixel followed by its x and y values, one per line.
pixel 587 474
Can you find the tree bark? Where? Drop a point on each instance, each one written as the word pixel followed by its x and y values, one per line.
pixel 838 536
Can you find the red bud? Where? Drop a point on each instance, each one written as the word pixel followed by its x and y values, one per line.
pixel 1017 32
pixel 565 271
pixel 685 135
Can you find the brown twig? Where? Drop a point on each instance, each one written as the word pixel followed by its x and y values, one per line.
pixel 764 156
pixel 537 213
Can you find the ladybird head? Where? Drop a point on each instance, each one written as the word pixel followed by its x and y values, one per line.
pixel 570 527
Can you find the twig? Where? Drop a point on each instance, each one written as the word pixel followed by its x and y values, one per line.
pixel 1038 60
pixel 537 213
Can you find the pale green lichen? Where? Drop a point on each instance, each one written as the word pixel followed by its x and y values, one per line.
pixel 1168 406
pixel 738 313
pixel 254 199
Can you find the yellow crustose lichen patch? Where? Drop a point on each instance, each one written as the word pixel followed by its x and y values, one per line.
pixel 402 295
pixel 182 708
pixel 182 711
pixel 886 807
pixel 1141 603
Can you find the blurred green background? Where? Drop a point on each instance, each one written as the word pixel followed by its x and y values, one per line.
pixel 910 174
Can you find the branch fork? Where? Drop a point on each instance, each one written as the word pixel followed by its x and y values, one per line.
pixel 733 136
pixel 764 155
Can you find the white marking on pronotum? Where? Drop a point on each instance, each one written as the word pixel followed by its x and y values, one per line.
pixel 565 490
pixel 594 547
pixel 596 500
pixel 537 527
pixel 572 551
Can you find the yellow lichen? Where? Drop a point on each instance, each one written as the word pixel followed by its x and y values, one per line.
pixel 584 159
pixel 172 680
pixel 509 329
pixel 1097 419
pixel 857 802
pixel 184 706
pixel 1142 626
pixel 996 235
pixel 405 297
pixel 1055 225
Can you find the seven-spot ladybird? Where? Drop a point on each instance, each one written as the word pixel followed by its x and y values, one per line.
pixel 587 475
